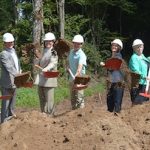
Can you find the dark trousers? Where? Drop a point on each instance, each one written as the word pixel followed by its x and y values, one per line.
pixel 8 105
pixel 114 98
pixel 135 97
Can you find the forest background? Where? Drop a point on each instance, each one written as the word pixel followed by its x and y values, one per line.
pixel 91 128
pixel 99 21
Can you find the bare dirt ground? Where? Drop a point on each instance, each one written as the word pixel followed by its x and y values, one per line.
pixel 90 128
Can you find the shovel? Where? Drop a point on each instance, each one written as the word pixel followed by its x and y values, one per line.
pixel 146 94
pixel 48 74
pixel 5 97
pixel 77 86
pixel 113 63
pixel 70 72
pixel 39 67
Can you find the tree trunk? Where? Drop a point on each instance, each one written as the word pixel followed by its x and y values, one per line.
pixel 37 21
pixel 15 3
pixel 62 18
pixel 37 26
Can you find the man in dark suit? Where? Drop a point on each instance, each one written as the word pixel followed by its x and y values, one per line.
pixel 10 67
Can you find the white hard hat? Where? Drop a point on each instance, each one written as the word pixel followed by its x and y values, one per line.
pixel 49 36
pixel 137 42
pixel 118 41
pixel 8 37
pixel 78 38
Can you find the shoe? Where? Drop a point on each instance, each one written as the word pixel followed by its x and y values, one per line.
pixel 136 103
pixel 14 116
pixel 110 110
pixel 147 99
pixel 116 114
pixel 82 105
pixel 8 118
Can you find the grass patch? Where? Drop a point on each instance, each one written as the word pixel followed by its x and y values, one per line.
pixel 28 97
pixel 94 89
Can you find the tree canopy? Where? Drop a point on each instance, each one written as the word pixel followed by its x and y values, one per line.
pixel 99 21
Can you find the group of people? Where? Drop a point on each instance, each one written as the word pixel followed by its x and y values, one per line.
pixel 10 68
pixel 138 64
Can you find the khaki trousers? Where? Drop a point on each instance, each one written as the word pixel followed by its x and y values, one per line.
pixel 76 96
pixel 46 96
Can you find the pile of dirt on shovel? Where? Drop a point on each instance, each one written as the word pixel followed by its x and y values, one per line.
pixel 90 128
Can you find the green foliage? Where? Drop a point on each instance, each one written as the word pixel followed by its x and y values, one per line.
pixel 1 43
pixel 27 97
pixel 26 8
pixel 49 7
pixel 74 25
pixel 23 30
pixel 7 14
pixel 91 18
pixel 93 57
pixel 98 88
pixel 124 5
pixel 61 94
pixel 80 2
pixel 99 21
pixel 62 67
pixel 51 18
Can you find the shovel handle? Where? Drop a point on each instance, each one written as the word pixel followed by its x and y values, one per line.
pixel 70 72
pixel 147 82
pixel 39 67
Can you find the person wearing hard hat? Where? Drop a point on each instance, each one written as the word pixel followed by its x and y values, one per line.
pixel 115 80
pixel 48 62
pixel 77 66
pixel 10 67
pixel 139 64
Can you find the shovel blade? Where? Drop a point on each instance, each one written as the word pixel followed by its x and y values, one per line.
pixel 145 95
pixel 5 97
pixel 52 74
pixel 80 86
pixel 113 63
pixel 28 85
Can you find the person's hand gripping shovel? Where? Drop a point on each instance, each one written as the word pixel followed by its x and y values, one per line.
pixel 146 94
pixel 77 86
pixel 48 74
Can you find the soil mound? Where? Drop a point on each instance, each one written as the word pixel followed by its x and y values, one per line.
pixel 90 128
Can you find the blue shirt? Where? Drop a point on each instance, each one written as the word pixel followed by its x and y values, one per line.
pixel 77 58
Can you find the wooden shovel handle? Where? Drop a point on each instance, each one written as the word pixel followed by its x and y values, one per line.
pixel 70 72
pixel 39 67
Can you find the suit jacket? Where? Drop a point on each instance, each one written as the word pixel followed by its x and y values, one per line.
pixel 8 70
pixel 49 60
